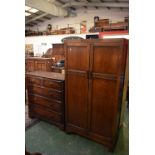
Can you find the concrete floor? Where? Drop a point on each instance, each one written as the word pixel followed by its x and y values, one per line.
pixel 49 140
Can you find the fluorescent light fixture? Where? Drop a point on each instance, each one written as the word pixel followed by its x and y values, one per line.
pixel 27 8
pixel 33 10
pixel 27 14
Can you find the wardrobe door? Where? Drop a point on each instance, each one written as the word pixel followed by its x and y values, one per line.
pixel 76 83
pixel 106 67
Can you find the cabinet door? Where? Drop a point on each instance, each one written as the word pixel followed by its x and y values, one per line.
pixel 106 68
pixel 40 65
pixel 77 65
pixel 29 65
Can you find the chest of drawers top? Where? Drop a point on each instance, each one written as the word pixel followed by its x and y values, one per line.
pixel 48 75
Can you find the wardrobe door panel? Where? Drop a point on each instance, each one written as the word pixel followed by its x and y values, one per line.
pixel 78 57
pixel 76 83
pixel 106 59
pixel 77 91
pixel 102 106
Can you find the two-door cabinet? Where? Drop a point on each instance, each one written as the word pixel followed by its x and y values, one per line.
pixel 94 79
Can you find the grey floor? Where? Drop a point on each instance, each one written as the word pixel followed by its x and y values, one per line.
pixel 50 140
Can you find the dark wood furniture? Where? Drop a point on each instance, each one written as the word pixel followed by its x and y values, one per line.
pixel 58 51
pixel 57 55
pixel 94 81
pixel 46 96
pixel 38 64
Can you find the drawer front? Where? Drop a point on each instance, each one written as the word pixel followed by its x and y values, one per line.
pixel 33 81
pixel 45 113
pixel 49 93
pixel 52 104
pixel 53 84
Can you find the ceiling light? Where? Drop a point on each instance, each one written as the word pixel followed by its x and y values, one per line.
pixel 27 14
pixel 33 10
pixel 27 8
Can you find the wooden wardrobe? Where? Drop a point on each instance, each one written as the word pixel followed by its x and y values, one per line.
pixel 94 81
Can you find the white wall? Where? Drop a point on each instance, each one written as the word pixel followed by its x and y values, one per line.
pixel 60 22
pixel 43 43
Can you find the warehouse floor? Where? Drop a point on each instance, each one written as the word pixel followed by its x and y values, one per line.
pixel 49 140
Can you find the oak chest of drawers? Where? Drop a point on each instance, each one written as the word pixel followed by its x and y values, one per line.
pixel 46 96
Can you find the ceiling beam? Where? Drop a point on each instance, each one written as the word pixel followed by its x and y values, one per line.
pixel 39 20
pixel 103 4
pixel 30 25
pixel 49 18
pixel 47 7
pixel 33 23
pixel 60 1
pixel 96 7
pixel 72 8
pixel 35 18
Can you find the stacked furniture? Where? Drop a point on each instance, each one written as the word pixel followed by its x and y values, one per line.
pixel 94 81
pixel 105 25
pixel 46 96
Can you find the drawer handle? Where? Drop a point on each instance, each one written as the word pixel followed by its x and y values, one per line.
pixel 53 94
pixel 30 80
pixel 50 92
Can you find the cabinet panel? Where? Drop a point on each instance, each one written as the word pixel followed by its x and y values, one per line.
pixel 106 58
pixel 78 57
pixel 29 65
pixel 102 107
pixel 77 100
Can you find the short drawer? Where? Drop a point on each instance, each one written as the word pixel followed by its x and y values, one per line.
pixel 52 104
pixel 33 81
pixel 45 113
pixel 53 84
pixel 46 92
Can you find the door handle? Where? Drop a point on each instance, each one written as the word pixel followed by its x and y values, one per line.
pixel 89 74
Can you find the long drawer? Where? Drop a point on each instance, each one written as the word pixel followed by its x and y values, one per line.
pixel 45 113
pixel 53 84
pixel 46 92
pixel 43 101
pixel 34 81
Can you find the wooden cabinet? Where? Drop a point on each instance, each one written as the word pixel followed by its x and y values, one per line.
pixel 38 64
pixel 58 52
pixel 94 87
pixel 46 96
pixel 57 55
